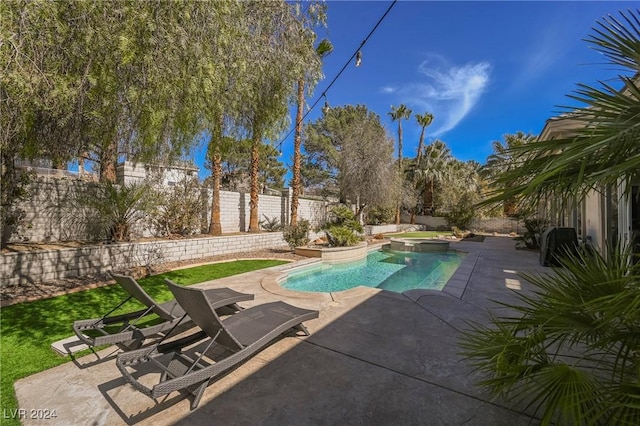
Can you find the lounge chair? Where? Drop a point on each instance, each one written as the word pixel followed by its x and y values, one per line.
pixel 125 330
pixel 243 334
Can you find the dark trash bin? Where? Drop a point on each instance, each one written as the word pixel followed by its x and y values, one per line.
pixel 555 242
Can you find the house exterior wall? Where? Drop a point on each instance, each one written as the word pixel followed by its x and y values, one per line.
pixel 593 229
pixel 129 172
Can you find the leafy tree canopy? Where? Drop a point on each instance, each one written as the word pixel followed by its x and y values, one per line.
pixel 349 148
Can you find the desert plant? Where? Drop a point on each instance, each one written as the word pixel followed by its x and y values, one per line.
pixel 534 227
pixel 179 208
pixel 114 208
pixel 571 349
pixel 342 228
pixel 457 232
pixel 297 235
pixel 341 236
pixel 271 225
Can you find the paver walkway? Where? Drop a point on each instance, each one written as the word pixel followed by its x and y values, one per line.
pixel 373 357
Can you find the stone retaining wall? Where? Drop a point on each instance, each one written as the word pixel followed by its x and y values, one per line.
pixel 36 266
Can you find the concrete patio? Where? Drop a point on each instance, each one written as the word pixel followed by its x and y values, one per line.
pixel 373 357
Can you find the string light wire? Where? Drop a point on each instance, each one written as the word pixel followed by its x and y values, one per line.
pixel 356 53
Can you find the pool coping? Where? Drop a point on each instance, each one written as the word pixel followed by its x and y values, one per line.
pixel 455 286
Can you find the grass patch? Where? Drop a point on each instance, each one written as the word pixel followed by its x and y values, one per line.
pixel 28 329
pixel 419 234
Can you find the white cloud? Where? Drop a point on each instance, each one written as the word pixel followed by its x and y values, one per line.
pixel 388 89
pixel 447 91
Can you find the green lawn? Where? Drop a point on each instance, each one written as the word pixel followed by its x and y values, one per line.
pixel 419 234
pixel 28 329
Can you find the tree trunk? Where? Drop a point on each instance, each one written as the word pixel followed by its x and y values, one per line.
pixel 297 142
pixel 400 144
pixel 108 159
pixel 420 145
pixel 81 162
pixel 254 226
pixel 427 199
pixel 399 164
pixel 433 204
pixel 413 215
pixel 215 225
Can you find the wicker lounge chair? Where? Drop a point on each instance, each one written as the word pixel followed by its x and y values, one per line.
pixel 123 330
pixel 241 335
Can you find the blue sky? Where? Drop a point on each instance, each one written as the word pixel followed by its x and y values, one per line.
pixel 483 69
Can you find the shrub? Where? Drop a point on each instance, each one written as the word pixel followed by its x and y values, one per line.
pixel 341 236
pixel 461 215
pixel 533 232
pixel 297 235
pixel 180 208
pixel 342 228
pixel 271 225
pixel 380 215
pixel 344 216
pixel 113 208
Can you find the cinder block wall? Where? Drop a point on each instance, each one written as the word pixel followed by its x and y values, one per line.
pixel 47 210
pixel 28 267
pixel 493 224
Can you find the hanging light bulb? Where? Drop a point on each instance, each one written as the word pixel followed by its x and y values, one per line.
pixel 358 58
pixel 326 107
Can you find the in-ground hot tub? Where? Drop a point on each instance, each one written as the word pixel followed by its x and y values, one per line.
pixel 420 245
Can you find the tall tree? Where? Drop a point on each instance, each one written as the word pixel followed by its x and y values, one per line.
pixel 351 149
pixel 323 49
pixel 398 114
pixel 102 78
pixel 432 168
pixel 284 56
pixel 504 159
pixel 570 346
pixel 236 164
pixel 424 121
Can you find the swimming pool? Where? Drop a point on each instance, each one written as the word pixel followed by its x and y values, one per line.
pixel 397 271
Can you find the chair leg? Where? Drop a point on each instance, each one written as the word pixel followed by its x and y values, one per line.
pixel 198 394
pixel 302 328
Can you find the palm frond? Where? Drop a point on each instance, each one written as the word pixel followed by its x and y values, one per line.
pixel 570 349
pixel 606 149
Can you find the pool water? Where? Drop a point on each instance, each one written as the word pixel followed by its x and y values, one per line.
pixel 389 270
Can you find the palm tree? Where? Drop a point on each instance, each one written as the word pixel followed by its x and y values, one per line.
pixel 433 166
pixel 323 49
pixel 607 147
pixel 397 114
pixel 424 121
pixel 571 350
pixel 504 159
